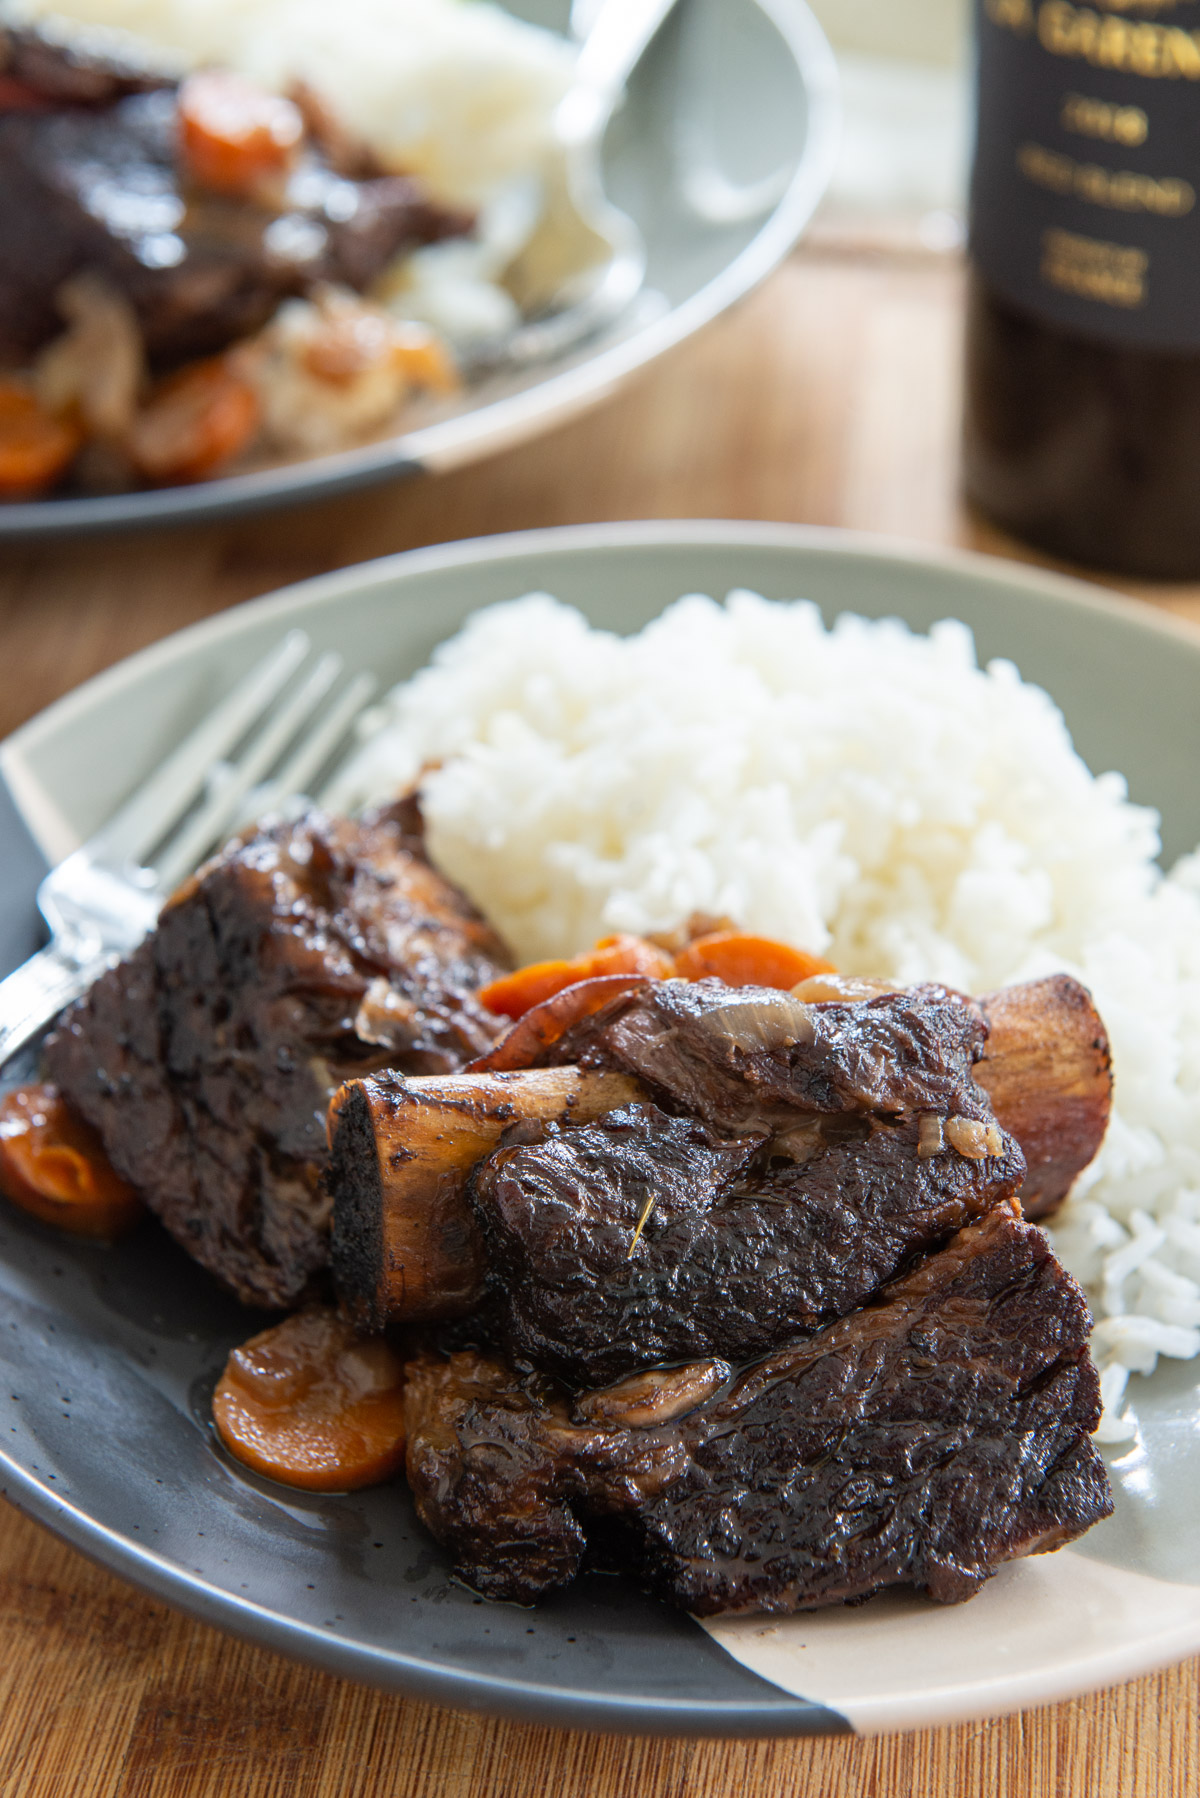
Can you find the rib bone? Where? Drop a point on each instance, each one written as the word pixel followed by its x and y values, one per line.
pixel 1048 1070
pixel 405 1247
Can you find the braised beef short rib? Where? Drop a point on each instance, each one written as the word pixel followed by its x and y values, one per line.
pixel 206 1061
pixel 794 1159
pixel 90 180
pixel 750 1058
pixel 921 1441
pixel 844 1360
pixel 643 1238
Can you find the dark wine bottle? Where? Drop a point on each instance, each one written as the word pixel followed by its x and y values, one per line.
pixel 1082 429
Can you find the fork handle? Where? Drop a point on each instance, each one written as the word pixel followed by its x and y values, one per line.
pixel 618 33
pixel 37 991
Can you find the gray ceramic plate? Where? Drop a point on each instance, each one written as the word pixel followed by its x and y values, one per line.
pixel 107 1358
pixel 735 99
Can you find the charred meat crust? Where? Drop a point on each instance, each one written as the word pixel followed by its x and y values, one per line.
pixel 354 1175
pixel 644 1238
pixel 206 1061
pixel 922 1441
pixel 1040 1050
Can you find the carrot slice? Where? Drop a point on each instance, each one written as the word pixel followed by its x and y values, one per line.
pixel 542 1026
pixel 18 96
pixel 35 447
pixel 514 994
pixel 234 136
pixel 424 358
pixel 312 1403
pixel 52 1165
pixel 197 420
pixel 743 960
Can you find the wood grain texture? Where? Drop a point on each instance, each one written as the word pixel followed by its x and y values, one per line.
pixel 830 397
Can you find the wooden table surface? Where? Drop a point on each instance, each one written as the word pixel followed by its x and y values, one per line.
pixel 830 397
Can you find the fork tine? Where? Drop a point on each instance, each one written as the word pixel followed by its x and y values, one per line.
pixel 203 832
pixel 311 756
pixel 146 818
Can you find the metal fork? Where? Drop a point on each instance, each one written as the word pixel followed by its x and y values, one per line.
pixel 586 260
pixel 105 897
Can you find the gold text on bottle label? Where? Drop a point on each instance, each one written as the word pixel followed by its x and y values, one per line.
pixel 1112 273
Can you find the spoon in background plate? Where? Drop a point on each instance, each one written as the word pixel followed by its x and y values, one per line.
pixel 585 261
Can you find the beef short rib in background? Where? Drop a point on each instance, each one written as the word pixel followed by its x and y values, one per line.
pixel 922 1441
pixel 71 68
pixel 643 1238
pixel 206 1061
pixel 89 180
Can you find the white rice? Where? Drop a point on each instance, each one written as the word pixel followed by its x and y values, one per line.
pixel 863 792
pixel 458 91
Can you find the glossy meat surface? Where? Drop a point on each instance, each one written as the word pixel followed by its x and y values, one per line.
pixel 751 1058
pixel 922 1441
pixel 743 1245
pixel 304 953
pixel 98 187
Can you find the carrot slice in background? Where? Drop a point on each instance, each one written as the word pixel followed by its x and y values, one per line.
pixel 743 960
pixel 312 1403
pixel 194 422
pixel 35 447
pixel 514 994
pixel 52 1165
pixel 235 136
pixel 424 358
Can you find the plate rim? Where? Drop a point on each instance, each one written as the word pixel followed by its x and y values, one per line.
pixel 398 1671
pixel 395 1671
pixel 998 572
pixel 514 418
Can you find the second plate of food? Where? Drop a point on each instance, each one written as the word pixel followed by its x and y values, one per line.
pixel 110 1355
pixel 210 331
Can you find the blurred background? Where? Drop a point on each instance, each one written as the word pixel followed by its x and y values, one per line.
pixel 903 168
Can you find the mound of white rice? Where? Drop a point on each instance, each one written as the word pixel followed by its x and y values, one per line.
pixel 864 792
pixel 458 91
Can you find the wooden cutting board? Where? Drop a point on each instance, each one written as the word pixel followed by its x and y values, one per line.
pixel 830 397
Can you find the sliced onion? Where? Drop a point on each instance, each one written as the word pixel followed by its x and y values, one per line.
pixel 768 1022
pixel 658 1396
pixel 385 1017
pixel 801 1143
pixel 973 1138
pixel 97 365
pixel 931 1135
pixel 846 989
